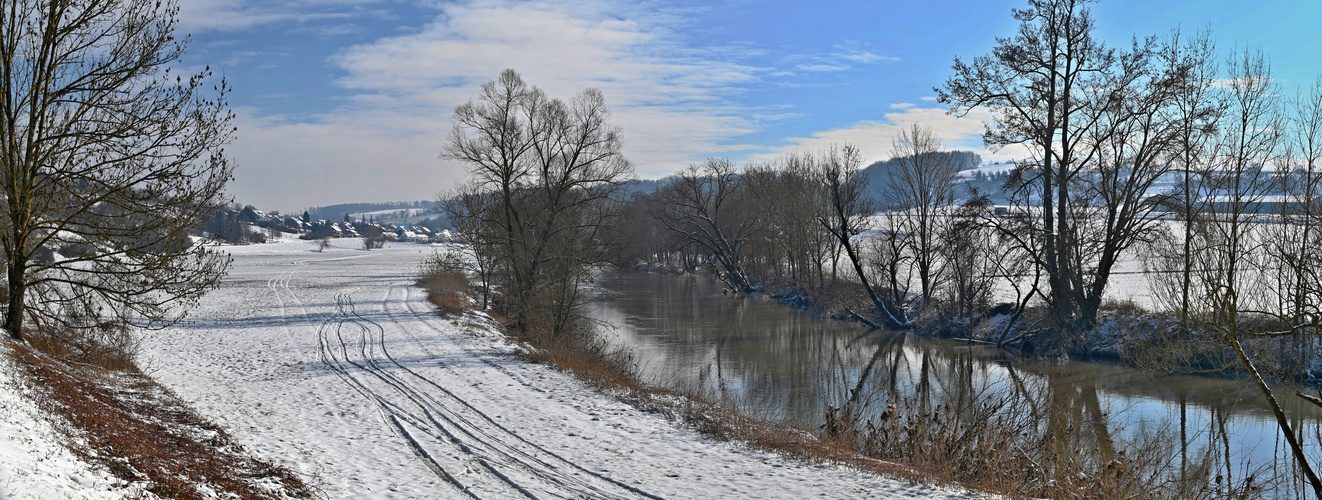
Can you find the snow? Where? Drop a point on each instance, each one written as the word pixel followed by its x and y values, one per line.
pixel 410 212
pixel 33 463
pixel 332 363
pixel 986 169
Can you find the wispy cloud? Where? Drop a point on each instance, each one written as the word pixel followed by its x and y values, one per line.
pixel 226 15
pixel 821 67
pixel 866 57
pixel 843 56
pixel 874 137
pixel 673 101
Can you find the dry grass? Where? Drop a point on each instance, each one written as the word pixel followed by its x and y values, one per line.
pixel 447 290
pixel 445 277
pixel 74 347
pixel 115 416
pixel 605 370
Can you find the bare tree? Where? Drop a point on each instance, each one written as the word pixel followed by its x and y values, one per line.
pixel 704 206
pixel 1199 108
pixel 554 169
pixel 847 216
pixel 975 259
pixel 108 159
pixel 921 186
pixel 471 212
pixel 1098 123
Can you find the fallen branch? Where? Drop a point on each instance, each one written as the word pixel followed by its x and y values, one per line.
pixel 861 319
pixel 1311 399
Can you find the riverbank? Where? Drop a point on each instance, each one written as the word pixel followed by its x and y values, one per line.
pixel 941 442
pixel 1128 331
pixel 751 353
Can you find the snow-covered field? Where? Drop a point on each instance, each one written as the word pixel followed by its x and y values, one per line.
pixel 333 364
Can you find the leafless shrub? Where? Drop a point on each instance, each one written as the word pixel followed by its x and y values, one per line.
pixel 373 237
pixel 444 277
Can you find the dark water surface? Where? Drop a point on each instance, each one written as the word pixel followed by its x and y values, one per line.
pixel 788 366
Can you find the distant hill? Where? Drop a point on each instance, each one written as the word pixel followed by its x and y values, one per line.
pixel 967 162
pixel 336 212
pixel 645 186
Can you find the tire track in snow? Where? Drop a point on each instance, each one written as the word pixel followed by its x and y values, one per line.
pixel 279 286
pixel 475 348
pixel 426 422
pixel 501 451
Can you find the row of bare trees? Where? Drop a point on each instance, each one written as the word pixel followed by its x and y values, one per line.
pixel 1105 128
pixel 807 223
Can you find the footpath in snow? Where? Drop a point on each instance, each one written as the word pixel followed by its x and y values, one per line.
pixel 333 364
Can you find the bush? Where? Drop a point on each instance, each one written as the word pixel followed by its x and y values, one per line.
pixel 108 346
pixel 444 277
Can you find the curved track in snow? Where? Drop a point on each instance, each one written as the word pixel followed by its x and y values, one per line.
pixel 473 453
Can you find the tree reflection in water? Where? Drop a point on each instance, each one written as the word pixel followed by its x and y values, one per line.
pixel 970 413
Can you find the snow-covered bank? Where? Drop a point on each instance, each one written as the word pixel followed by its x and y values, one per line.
pixel 33 462
pixel 332 364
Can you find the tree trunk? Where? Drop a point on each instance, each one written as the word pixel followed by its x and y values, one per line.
pixel 894 318
pixel 14 314
pixel 1295 446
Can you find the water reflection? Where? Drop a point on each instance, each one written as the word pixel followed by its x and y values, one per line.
pixel 787 366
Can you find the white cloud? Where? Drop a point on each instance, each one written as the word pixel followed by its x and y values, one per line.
pixel 383 144
pixel 873 137
pixel 902 105
pixel 821 67
pixel 226 15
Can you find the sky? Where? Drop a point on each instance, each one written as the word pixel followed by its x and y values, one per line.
pixel 342 101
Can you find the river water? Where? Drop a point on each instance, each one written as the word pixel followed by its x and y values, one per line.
pixel 789 366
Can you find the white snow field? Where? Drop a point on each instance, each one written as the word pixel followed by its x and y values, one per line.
pixel 333 364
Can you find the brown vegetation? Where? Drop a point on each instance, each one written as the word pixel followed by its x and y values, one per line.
pixel 116 417
pixel 443 276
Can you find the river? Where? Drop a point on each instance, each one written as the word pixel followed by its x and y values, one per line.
pixel 788 366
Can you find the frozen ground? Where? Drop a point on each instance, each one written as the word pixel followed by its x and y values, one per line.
pixel 334 365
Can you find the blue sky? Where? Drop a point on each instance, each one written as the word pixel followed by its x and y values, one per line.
pixel 349 100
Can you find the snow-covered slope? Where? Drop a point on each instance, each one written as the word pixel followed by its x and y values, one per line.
pixel 33 463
